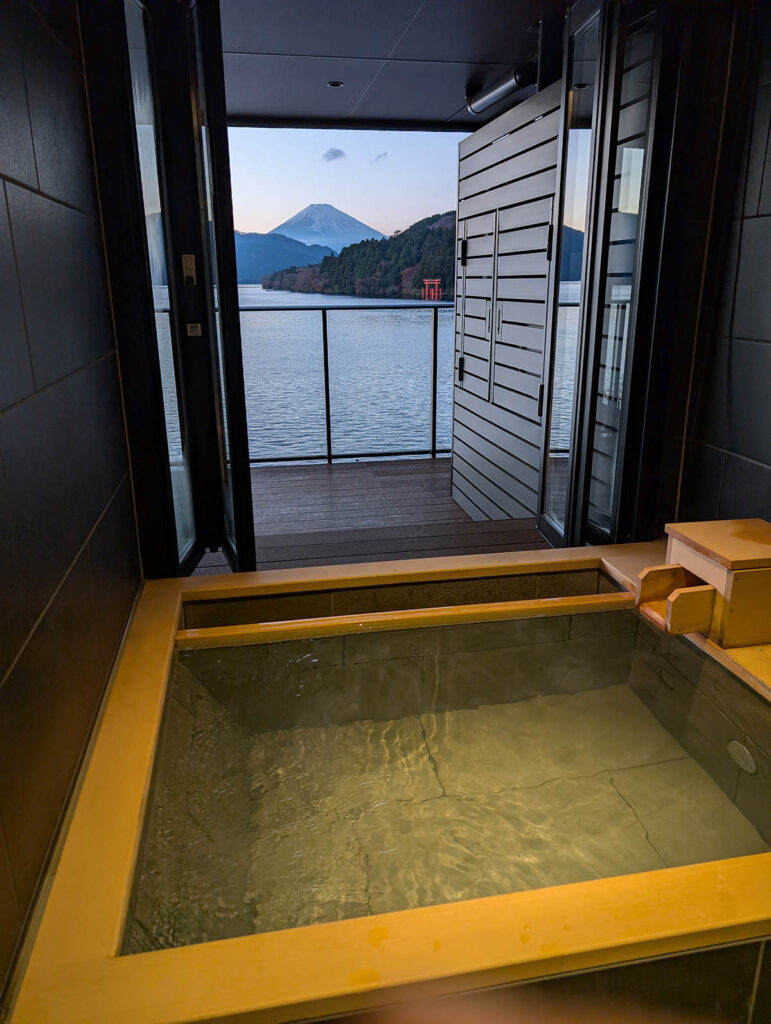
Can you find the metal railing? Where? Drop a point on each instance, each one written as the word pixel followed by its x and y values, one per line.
pixel 329 455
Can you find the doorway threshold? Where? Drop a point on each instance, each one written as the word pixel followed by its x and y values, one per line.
pixel 367 511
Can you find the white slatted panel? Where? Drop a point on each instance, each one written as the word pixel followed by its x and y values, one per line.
pixel 507 180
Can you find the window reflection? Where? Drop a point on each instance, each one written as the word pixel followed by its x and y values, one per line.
pixel 571 250
pixel 144 119
pixel 619 283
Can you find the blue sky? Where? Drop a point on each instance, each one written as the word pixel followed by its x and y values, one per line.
pixel 386 179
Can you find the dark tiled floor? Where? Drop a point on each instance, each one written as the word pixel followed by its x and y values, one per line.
pixel 367 511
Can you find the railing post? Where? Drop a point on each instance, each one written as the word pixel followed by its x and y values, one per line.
pixel 434 359
pixel 325 343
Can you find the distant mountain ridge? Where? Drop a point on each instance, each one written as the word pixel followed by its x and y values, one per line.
pixel 323 224
pixel 386 268
pixel 260 254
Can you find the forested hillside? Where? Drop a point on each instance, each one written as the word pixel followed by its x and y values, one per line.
pixel 258 255
pixel 391 268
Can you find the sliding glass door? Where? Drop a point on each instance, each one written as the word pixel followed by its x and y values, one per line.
pixel 175 55
pixel 570 291
pixel 238 523
pixel 618 279
pixel 144 99
pixel 608 107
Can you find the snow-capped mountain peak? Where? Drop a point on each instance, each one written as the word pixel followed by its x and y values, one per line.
pixel 323 224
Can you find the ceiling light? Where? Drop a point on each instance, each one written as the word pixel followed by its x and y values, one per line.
pixel 334 85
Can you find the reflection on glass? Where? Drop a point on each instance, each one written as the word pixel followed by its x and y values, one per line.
pixel 211 235
pixel 571 248
pixel 618 285
pixel 144 117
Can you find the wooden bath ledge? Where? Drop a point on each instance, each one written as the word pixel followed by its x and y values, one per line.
pixel 71 971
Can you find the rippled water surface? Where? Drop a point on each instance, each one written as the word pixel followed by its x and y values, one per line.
pixel 319 780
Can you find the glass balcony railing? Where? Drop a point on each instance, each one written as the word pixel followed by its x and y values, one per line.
pixel 346 382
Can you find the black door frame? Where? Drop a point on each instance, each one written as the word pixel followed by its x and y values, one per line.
pixel 210 106
pixel 108 86
pixel 191 319
pixel 576 18
pixel 171 54
pixel 654 183
pixel 618 19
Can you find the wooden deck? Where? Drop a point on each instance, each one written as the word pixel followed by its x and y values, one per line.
pixel 367 511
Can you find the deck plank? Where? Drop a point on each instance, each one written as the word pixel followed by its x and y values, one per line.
pixel 349 512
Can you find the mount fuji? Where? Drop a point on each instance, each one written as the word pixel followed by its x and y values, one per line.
pixel 322 224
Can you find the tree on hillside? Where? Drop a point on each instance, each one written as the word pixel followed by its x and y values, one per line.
pixel 387 268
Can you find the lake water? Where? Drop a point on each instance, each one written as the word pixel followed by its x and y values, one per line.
pixel 380 364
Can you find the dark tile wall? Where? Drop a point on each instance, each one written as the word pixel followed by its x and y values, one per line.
pixel 727 470
pixel 68 555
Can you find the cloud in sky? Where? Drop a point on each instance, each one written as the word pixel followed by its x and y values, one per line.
pixel 380 156
pixel 333 153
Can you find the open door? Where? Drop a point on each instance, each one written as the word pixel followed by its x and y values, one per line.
pixel 610 73
pixel 184 386
pixel 573 247
pixel 507 179
pixel 222 286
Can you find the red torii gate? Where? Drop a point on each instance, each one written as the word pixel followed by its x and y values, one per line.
pixel 432 289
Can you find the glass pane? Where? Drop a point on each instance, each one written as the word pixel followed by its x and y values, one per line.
pixel 380 365
pixel 211 235
pixel 284 382
pixel 313 786
pixel 444 379
pixel 569 296
pixel 144 117
pixel 618 286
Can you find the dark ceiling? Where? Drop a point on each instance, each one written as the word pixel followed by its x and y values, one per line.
pixel 403 63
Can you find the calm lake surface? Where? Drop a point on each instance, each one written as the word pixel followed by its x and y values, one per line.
pixel 379 375
pixel 379 371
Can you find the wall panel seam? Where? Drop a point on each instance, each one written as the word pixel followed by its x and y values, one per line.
pixel 58 381
pixel 47 195
pixel 20 294
pixel 36 625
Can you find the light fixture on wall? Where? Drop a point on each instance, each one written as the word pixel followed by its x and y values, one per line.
pixel 521 77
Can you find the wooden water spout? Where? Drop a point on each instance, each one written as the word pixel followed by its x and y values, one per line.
pixel 717 581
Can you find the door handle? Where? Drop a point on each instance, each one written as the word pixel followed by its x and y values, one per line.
pixel 498 326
